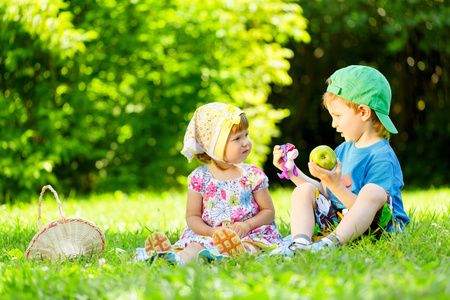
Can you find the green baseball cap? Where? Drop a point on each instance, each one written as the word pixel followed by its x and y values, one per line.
pixel 366 86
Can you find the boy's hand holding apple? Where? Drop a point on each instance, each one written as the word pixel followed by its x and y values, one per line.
pixel 322 165
pixel 324 157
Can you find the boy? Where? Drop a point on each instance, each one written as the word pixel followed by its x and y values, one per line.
pixel 367 181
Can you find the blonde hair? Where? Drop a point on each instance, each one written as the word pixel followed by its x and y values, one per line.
pixel 379 127
pixel 204 158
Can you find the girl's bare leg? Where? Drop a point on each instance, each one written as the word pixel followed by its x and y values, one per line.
pixel 190 252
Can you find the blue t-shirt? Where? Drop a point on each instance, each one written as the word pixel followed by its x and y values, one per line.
pixel 376 164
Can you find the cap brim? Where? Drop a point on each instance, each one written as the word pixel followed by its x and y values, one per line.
pixel 386 121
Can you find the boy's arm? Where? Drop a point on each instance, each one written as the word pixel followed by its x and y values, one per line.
pixel 332 180
pixel 302 178
pixel 297 180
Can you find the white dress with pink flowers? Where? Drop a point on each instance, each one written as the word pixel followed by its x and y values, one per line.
pixel 230 201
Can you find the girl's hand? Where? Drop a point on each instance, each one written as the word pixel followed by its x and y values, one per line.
pixel 214 229
pixel 278 157
pixel 241 229
pixel 327 177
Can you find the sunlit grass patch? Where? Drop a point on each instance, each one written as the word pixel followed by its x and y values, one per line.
pixel 411 265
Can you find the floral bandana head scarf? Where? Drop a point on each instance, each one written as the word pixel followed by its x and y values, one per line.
pixel 208 130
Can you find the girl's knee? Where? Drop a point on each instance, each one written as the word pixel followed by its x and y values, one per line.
pixel 190 252
pixel 194 247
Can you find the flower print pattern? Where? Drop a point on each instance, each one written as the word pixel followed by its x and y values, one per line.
pixel 245 199
pixel 196 184
pixel 211 190
pixel 238 214
pixel 234 201
pixel 206 216
pixel 205 199
pixel 256 206
pixel 251 179
pixel 210 205
pixel 230 200
pixel 244 184
pixel 221 211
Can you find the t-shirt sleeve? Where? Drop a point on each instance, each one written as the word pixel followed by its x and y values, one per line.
pixel 258 179
pixel 382 174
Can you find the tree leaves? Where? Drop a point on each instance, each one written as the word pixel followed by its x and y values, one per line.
pixel 108 87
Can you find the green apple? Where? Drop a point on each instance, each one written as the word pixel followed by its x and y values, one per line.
pixel 324 157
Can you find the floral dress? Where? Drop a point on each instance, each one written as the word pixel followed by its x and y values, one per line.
pixel 226 202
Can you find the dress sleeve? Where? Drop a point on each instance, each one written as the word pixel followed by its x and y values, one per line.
pixel 195 181
pixel 257 178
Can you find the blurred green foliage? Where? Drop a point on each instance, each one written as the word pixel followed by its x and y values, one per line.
pixel 96 94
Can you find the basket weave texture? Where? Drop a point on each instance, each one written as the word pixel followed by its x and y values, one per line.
pixel 65 238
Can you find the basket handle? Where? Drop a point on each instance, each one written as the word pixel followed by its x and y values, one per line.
pixel 45 187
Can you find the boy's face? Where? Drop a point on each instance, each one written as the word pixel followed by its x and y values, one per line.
pixel 346 120
pixel 238 147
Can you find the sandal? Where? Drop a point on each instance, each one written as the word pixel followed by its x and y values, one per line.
pixel 157 242
pixel 227 242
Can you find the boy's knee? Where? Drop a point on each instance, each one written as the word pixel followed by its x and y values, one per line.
pixel 304 192
pixel 373 193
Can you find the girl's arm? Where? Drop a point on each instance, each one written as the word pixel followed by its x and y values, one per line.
pixel 265 216
pixel 194 215
pixel 297 180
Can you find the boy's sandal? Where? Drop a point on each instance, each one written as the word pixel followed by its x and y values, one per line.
pixel 157 242
pixel 227 242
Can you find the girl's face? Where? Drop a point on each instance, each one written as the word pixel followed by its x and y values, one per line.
pixel 238 147
pixel 346 121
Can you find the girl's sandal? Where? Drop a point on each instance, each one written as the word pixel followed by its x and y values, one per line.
pixel 227 242
pixel 157 242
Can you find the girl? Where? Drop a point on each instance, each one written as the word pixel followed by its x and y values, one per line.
pixel 229 208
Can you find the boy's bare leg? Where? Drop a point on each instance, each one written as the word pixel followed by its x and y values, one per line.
pixel 370 199
pixel 303 202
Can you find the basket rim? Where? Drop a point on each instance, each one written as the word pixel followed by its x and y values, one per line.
pixel 61 222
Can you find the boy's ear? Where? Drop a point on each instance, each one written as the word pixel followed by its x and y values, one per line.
pixel 365 112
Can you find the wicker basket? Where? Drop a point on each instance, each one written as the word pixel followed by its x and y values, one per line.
pixel 65 238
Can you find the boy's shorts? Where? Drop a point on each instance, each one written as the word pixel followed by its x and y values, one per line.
pixel 328 217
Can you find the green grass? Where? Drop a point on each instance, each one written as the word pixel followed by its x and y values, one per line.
pixel 411 265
